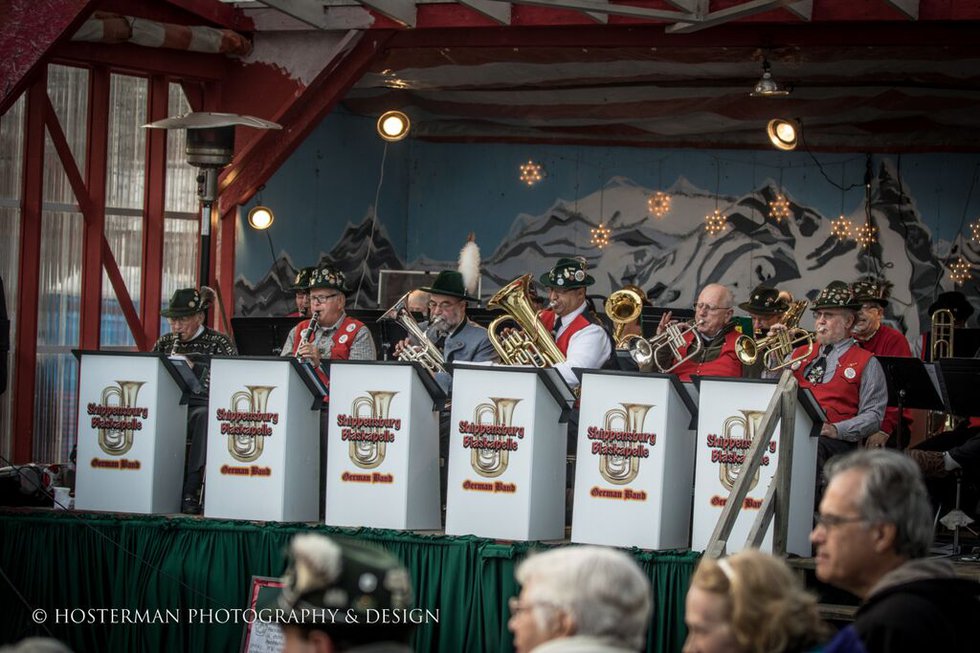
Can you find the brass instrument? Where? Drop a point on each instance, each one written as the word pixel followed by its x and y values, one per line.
pixel 645 352
pixel 116 442
pixel 776 349
pixel 623 307
pixel 941 346
pixel 531 343
pixel 488 462
pixel 425 352
pixel 620 470
pixel 365 454
pixel 254 399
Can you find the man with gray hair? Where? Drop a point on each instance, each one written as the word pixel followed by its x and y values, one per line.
pixel 580 598
pixel 872 535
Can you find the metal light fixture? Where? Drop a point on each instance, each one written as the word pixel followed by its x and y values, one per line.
pixel 261 218
pixel 767 86
pixel 393 126
pixel 783 133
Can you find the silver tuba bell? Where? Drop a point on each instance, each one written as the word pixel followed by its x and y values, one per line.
pixel 425 352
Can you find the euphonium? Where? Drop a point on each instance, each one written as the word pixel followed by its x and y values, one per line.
pixel 620 470
pixel 776 349
pixel 366 454
pixel 116 442
pixel 623 307
pixel 254 399
pixel 749 420
pixel 492 462
pixel 425 352
pixel 530 344
pixel 645 352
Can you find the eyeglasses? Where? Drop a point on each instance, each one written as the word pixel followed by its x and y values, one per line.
pixel 831 521
pixel 323 299
pixel 516 607
pixel 443 306
pixel 869 307
pixel 708 307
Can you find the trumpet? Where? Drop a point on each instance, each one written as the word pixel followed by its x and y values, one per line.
pixel 532 344
pixel 425 352
pixel 645 352
pixel 776 350
pixel 623 307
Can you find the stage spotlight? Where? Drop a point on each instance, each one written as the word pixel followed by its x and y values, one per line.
pixel 261 218
pixel 784 134
pixel 393 126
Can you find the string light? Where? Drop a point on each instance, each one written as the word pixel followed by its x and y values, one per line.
pixel 715 222
pixel 779 208
pixel 959 271
pixel 531 172
pixel 865 235
pixel 659 204
pixel 975 231
pixel 841 228
pixel 600 236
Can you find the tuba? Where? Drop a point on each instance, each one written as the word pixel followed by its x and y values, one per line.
pixel 749 420
pixel 531 344
pixel 363 453
pixel 645 352
pixel 254 399
pixel 623 307
pixel 620 470
pixel 489 462
pixel 116 442
pixel 425 352
pixel 776 349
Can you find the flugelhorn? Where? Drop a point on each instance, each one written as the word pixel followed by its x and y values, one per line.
pixel 117 441
pixel 777 348
pixel 645 352
pixel 363 453
pixel 528 344
pixel 425 352
pixel 491 462
pixel 623 307
pixel 254 399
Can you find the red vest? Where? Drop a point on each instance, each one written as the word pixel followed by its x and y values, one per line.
pixel 840 396
pixel 889 342
pixel 727 363
pixel 343 338
pixel 579 323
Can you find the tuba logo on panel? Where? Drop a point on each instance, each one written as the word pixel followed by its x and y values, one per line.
pixel 621 442
pixel 733 448
pixel 368 428
pixel 117 416
pixel 246 423
pixel 491 436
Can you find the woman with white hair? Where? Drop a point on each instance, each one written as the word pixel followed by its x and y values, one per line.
pixel 580 599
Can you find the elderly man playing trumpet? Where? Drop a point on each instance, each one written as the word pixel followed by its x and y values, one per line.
pixel 714 354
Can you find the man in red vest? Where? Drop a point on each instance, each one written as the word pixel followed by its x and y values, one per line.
pixel 716 331
pixel 766 307
pixel 577 331
pixel 881 340
pixel 846 380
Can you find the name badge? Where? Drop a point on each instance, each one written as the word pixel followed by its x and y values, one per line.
pixel 850 373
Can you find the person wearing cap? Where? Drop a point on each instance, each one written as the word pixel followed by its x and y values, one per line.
pixel 344 595
pixel 881 340
pixel 578 332
pixel 765 307
pixel 189 337
pixel 716 330
pixel 336 334
pixel 301 289
pixel 845 379
pixel 955 302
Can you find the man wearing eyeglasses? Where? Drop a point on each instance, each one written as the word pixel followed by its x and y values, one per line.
pixel 714 327
pixel 871 537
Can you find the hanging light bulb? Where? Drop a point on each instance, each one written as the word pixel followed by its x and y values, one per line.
pixel 841 228
pixel 531 173
pixel 715 222
pixel 779 208
pixel 600 236
pixel 659 204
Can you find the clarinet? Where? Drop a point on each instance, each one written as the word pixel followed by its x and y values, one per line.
pixel 173 350
pixel 309 333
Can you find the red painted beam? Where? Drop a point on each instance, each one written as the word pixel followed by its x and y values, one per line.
pixel 217 13
pixel 90 309
pixel 141 60
pixel 151 277
pixel 25 366
pixel 28 29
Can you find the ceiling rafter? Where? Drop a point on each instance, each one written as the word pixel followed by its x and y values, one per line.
pixel 729 14
pixel 403 12
pixel 908 7
pixel 309 12
pixel 492 9
pixel 603 7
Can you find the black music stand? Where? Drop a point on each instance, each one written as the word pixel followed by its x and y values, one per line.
pixel 958 380
pixel 909 386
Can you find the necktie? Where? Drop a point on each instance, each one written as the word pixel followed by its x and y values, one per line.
pixel 815 374
pixel 557 327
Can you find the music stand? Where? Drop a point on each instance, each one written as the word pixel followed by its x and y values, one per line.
pixel 958 378
pixel 909 386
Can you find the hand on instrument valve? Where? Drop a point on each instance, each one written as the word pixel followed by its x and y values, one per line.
pixel 877 440
pixel 776 328
pixel 665 321
pixel 309 351
pixel 400 346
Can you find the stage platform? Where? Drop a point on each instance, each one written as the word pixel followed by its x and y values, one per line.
pixel 189 574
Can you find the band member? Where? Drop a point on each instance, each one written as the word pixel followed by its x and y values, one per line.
pixel 301 288
pixel 955 302
pixel 418 304
pixel 714 326
pixel 335 334
pixel 766 307
pixel 189 337
pixel 845 379
pixel 881 340
pixel 577 330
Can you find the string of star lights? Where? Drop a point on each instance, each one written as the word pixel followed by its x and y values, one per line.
pixel 975 231
pixel 841 228
pixel 600 236
pixel 715 222
pixel 531 173
pixel 659 204
pixel 865 235
pixel 959 271
pixel 779 208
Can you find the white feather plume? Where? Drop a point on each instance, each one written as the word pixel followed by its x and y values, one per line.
pixel 469 265
pixel 317 562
